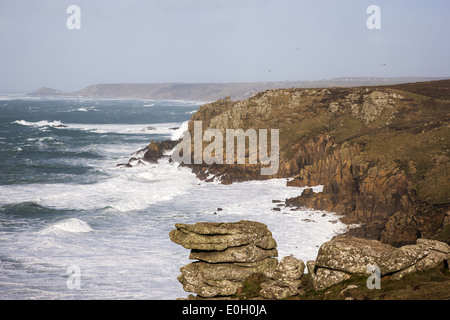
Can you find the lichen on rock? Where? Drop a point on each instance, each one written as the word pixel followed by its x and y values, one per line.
pixel 229 270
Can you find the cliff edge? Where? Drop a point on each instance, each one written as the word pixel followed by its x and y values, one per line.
pixel 381 152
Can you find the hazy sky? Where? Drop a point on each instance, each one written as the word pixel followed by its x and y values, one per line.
pixel 218 41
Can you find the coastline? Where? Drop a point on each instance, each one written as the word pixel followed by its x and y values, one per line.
pixel 324 156
pixel 367 183
pixel 348 139
pixel 210 92
pixel 315 157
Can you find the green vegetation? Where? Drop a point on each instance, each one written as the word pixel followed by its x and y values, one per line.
pixel 401 127
pixel 431 285
pixel 251 288
pixel 444 235
pixel 400 159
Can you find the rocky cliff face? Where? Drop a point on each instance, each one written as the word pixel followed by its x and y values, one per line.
pixel 382 153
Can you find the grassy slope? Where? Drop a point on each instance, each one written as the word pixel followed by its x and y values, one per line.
pixel 416 138
pixel 431 285
pixel 411 132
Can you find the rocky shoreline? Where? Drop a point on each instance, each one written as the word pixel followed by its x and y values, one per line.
pixel 381 153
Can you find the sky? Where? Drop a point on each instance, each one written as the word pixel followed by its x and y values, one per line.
pixel 204 41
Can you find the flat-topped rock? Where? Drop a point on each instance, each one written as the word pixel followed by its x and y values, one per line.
pixel 351 254
pixel 344 256
pixel 211 236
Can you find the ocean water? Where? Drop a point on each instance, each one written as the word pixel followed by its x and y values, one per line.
pixel 75 226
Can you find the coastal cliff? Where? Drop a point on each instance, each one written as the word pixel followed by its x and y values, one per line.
pixel 381 153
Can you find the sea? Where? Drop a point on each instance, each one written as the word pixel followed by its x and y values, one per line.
pixel 75 226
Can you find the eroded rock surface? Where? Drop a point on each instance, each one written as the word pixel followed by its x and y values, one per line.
pixel 380 152
pixel 210 236
pixel 344 256
pixel 229 254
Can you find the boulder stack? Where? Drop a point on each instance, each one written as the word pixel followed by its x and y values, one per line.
pixel 284 281
pixel 228 254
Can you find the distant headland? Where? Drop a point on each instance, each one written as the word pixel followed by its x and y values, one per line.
pixel 214 91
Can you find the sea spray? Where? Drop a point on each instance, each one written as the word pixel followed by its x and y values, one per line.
pixel 63 202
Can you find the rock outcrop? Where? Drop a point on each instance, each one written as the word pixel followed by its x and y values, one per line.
pixel 231 257
pixel 344 256
pixel 157 150
pixel 284 281
pixel 228 254
pixel 151 153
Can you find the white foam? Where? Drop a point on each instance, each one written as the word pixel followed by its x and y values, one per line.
pixel 126 190
pixel 132 207
pixel 169 129
pixel 121 261
pixel 17 96
pixel 178 133
pixel 69 225
pixel 157 128
pixel 43 123
pixel 317 189
pixel 297 232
